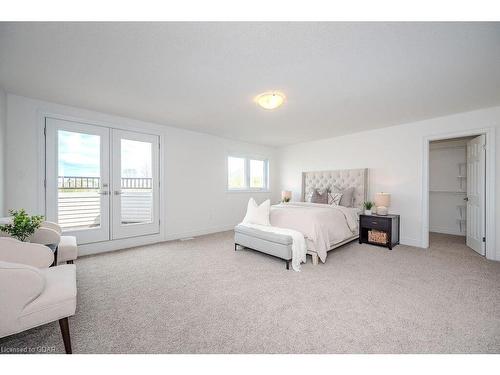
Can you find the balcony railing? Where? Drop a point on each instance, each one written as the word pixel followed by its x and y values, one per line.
pixel 73 182
pixel 137 183
pixel 79 201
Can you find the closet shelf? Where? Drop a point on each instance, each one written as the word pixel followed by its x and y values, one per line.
pixel 448 191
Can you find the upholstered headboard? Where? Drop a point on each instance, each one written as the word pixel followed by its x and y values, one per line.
pixel 342 179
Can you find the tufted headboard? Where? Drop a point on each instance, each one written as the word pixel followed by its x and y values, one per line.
pixel 342 179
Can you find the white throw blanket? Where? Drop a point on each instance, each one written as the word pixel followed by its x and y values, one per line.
pixel 299 248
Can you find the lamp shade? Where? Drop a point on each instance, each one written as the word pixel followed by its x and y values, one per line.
pixel 382 199
pixel 286 194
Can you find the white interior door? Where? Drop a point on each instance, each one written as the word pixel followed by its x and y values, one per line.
pixel 77 179
pixel 135 181
pixel 476 174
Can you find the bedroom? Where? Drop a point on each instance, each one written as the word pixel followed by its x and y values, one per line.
pixel 207 186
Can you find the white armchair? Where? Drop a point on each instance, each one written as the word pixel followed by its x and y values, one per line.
pixel 32 294
pixel 35 255
pixel 51 233
pixel 45 236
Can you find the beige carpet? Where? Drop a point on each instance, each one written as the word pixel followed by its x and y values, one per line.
pixel 201 296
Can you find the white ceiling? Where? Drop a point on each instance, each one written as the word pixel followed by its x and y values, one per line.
pixel 339 78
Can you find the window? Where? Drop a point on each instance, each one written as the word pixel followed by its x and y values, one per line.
pixel 235 173
pixel 257 174
pixel 244 174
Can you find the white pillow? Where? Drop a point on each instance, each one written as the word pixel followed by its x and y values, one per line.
pixel 257 214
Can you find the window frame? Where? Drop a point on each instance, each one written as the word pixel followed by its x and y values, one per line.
pixel 247 188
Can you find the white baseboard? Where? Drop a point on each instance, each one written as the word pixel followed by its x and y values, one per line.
pixel 199 232
pixel 104 247
pixel 446 230
pixel 410 241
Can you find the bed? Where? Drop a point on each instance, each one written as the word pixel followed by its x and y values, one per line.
pixel 325 227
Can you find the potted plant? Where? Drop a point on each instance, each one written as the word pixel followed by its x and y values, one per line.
pixel 23 226
pixel 368 207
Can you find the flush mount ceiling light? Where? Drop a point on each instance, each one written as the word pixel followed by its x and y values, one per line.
pixel 270 100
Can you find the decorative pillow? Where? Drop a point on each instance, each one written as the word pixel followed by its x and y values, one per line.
pixel 310 192
pixel 334 198
pixel 318 197
pixel 347 198
pixel 257 214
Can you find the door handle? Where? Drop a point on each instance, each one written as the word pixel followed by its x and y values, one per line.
pixel 118 192
pixel 466 199
pixel 103 193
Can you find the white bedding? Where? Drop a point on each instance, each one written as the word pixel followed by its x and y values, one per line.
pixel 321 224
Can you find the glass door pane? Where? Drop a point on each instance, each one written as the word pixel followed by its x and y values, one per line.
pixel 135 184
pixel 77 179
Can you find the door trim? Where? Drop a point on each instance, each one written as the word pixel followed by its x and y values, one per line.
pixel 490 224
pixel 85 117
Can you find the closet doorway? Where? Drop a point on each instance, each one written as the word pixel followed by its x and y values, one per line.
pixel 457 191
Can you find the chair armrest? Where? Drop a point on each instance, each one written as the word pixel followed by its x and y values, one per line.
pixel 45 236
pixel 53 226
pixel 19 285
pixel 31 254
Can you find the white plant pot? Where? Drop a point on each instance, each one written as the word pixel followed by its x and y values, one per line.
pixel 368 212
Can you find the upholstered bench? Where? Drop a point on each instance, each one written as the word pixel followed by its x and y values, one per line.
pixel 274 244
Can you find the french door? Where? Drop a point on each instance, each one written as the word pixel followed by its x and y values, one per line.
pixel 101 183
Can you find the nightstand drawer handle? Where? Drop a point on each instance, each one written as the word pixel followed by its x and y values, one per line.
pixel 374 222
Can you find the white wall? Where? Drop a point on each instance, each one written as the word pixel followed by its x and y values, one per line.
pixel 394 156
pixel 3 126
pixel 195 198
pixel 196 201
pixel 446 190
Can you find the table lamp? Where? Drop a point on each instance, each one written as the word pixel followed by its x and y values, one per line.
pixel 382 201
pixel 286 196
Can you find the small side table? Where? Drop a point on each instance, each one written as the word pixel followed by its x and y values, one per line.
pixel 384 223
pixel 54 248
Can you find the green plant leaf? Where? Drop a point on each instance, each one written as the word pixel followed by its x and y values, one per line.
pixel 23 226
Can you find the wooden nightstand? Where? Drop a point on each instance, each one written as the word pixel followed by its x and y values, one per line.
pixel 387 223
